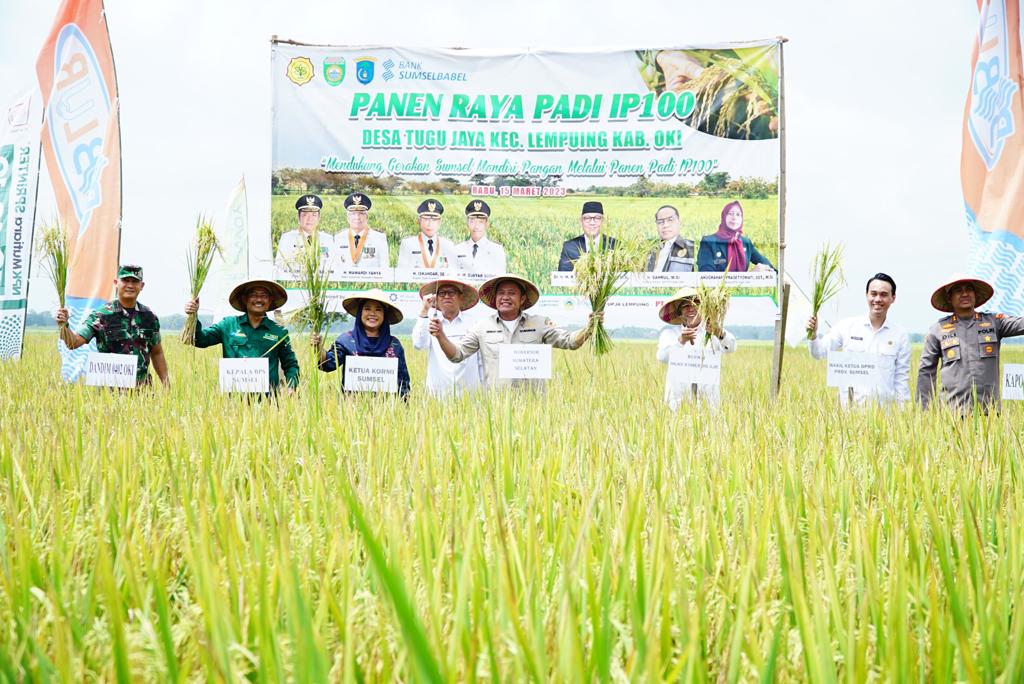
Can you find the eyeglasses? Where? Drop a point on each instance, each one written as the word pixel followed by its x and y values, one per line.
pixel 447 293
pixel 593 218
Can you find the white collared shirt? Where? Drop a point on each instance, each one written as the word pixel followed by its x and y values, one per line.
pixel 669 340
pixel 489 259
pixel 890 341
pixel 663 255
pixel 443 376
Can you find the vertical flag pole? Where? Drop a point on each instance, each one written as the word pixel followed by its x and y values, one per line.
pixel 782 291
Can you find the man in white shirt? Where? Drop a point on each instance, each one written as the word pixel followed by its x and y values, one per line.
pixel 360 246
pixel 308 208
pixel 445 300
pixel 427 250
pixel 873 334
pixel 479 254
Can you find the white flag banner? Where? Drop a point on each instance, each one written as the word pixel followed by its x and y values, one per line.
pixel 19 176
pixel 232 267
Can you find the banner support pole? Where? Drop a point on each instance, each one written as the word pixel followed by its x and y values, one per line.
pixel 782 289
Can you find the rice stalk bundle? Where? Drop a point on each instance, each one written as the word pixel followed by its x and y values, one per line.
pixel 600 274
pixel 713 303
pixel 828 277
pixel 55 251
pixel 199 260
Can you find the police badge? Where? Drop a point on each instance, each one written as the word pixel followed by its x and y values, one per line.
pixel 334 70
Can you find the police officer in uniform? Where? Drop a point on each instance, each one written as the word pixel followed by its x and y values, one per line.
pixel 427 250
pixel 122 326
pixel 478 254
pixel 964 347
pixel 676 252
pixel 510 296
pixel 359 246
pixel 308 208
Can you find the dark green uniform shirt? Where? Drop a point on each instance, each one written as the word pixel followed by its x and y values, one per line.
pixel 240 340
pixel 124 331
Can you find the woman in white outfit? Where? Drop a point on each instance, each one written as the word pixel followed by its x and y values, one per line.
pixel 687 328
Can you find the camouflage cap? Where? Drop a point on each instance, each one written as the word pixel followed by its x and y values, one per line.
pixel 129 271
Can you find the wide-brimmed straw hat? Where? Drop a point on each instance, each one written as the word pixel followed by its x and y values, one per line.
pixel 391 312
pixel 489 289
pixel 982 290
pixel 669 311
pixel 467 292
pixel 278 295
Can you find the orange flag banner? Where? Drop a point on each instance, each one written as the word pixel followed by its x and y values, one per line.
pixel 81 141
pixel 992 160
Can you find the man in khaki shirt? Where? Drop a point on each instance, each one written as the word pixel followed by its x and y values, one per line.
pixel 509 296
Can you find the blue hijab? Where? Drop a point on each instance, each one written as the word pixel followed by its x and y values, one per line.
pixel 371 346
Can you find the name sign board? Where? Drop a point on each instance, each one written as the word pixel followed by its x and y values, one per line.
pixel 1013 381
pixel 859 370
pixel 111 370
pixel 689 365
pixel 245 375
pixel 524 362
pixel 371 374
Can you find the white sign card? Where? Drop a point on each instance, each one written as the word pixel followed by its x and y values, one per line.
pixel 111 370
pixel 524 361
pixel 690 364
pixel 1013 381
pixel 859 370
pixel 371 374
pixel 245 375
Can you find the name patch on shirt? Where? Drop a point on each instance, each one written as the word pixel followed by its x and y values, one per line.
pixel 270 336
pixel 950 342
pixel 859 339
pixel 239 333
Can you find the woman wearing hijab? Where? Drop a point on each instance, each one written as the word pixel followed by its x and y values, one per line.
pixel 370 336
pixel 729 246
pixel 687 328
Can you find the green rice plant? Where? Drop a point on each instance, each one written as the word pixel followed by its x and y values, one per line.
pixel 828 278
pixel 600 274
pixel 188 535
pixel 55 250
pixel 712 305
pixel 199 261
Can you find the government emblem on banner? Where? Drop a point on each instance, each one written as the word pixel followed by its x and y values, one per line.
pixel 334 70
pixel 300 70
pixel 364 69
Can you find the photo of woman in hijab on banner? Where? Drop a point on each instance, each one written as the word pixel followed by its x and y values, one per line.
pixel 728 248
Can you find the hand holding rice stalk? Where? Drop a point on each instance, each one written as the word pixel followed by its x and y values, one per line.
pixel 713 303
pixel 55 250
pixel 314 276
pixel 599 275
pixel 827 273
pixel 199 260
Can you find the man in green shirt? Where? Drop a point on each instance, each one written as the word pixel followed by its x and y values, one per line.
pixel 253 335
pixel 122 326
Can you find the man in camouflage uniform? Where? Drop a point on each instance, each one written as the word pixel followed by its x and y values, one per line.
pixel 122 326
pixel 964 347
pixel 509 296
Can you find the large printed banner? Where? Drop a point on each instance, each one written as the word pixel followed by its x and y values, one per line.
pixel 82 146
pixel 992 160
pixel 473 163
pixel 19 173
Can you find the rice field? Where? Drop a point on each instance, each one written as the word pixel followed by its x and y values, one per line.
pixel 580 534
pixel 532 230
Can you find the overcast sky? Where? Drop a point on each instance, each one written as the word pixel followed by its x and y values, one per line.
pixel 874 101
